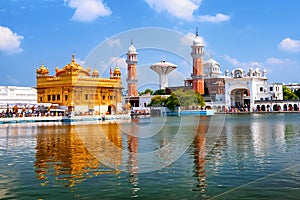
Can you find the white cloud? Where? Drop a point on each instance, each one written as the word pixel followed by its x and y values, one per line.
pixel 245 65
pixel 121 62
pixel 270 64
pixel 188 38
pixel 279 62
pixel 10 42
pixel 88 10
pixel 182 9
pixel 290 45
pixel 275 61
pixel 235 62
pixel 214 19
pixel 113 42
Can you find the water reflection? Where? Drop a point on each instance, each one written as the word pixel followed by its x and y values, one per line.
pixel 199 145
pixel 253 151
pixel 133 167
pixel 66 154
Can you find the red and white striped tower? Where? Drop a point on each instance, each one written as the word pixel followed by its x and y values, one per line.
pixel 197 55
pixel 131 71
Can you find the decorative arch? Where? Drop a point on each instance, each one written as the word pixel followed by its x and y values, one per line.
pixel 239 95
pixel 263 108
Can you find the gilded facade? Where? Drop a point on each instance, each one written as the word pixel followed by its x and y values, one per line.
pixel 80 89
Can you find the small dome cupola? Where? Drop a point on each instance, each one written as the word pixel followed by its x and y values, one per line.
pixel 95 73
pixel 131 49
pixel 42 70
pixel 117 71
pixel 198 40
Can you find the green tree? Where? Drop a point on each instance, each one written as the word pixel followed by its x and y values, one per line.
pixel 147 91
pixel 288 94
pixel 189 98
pixel 157 101
pixel 180 97
pixel 297 92
pixel 172 102
pixel 159 92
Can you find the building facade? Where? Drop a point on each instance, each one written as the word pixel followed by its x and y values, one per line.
pixel 78 89
pixel 244 89
pixel 214 81
pixel 17 95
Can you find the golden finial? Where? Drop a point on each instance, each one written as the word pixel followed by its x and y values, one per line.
pixel 73 59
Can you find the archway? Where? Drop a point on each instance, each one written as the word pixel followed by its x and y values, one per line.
pixel 279 108
pixel 258 108
pixel 296 108
pixel 263 108
pixel 111 109
pixel 275 107
pixel 284 107
pixel 240 98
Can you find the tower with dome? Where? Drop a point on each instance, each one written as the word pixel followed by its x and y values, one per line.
pixel 197 77
pixel 131 71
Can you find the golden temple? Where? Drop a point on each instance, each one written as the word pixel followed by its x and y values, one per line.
pixel 79 89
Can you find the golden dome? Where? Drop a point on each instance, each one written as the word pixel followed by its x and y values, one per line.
pixel 117 71
pixel 95 73
pixel 74 68
pixel 42 70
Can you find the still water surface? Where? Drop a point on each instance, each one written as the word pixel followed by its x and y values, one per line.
pixel 251 157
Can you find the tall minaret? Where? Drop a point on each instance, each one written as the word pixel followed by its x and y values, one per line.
pixel 197 55
pixel 131 70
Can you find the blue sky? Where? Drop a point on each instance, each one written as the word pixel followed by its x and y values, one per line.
pixel 263 33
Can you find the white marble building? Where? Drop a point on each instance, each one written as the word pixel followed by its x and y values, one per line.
pixel 212 69
pixel 17 95
pixel 242 88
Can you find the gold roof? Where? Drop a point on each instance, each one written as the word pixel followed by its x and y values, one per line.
pixel 73 68
pixel 117 70
pixel 42 70
pixel 95 73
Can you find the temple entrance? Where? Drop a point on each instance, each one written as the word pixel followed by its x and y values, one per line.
pixel 240 98
pixel 111 109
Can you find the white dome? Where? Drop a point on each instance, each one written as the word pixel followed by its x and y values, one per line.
pixel 131 49
pixel 211 62
pixel 198 41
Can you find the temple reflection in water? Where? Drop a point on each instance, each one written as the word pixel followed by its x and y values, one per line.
pixel 199 145
pixel 66 155
pixel 112 161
